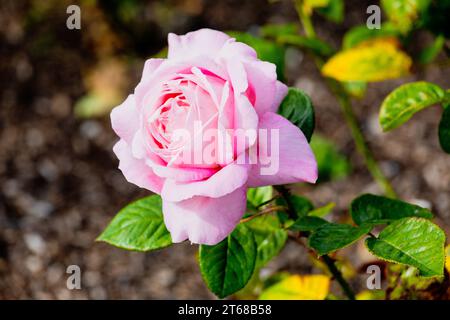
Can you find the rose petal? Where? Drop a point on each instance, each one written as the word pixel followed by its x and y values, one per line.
pixel 262 78
pixel 281 91
pixel 296 161
pixel 204 220
pixel 201 42
pixel 125 119
pixel 150 66
pixel 135 170
pixel 219 184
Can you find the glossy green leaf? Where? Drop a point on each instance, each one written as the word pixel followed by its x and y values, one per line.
pixel 227 266
pixel 139 226
pixel 301 205
pixel 332 236
pixel 269 236
pixel 444 130
pixel 372 209
pixel 322 211
pixel 412 241
pixel 298 109
pixel 308 223
pixel 402 103
pixel 316 46
pixel 331 163
pixel 361 33
pixel 257 196
pixel 266 50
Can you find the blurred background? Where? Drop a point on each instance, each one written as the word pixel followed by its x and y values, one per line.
pixel 59 182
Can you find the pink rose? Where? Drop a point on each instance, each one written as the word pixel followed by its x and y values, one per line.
pixel 213 82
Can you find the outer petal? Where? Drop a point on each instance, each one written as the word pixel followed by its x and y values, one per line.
pixel 197 43
pixel 281 91
pixel 219 184
pixel 150 66
pixel 296 161
pixel 125 119
pixel 135 170
pixel 262 80
pixel 204 220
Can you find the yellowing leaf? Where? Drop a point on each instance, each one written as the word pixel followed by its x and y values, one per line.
pixel 370 295
pixel 388 40
pixel 447 258
pixel 296 287
pixel 377 60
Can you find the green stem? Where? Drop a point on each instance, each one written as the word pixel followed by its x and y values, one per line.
pixel 347 109
pixel 305 19
pixel 360 142
pixel 330 263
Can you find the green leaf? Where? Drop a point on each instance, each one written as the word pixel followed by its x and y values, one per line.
pixel 298 109
pixel 402 103
pixel 322 211
pixel 316 46
pixel 308 223
pixel 444 130
pixel 269 236
pixel 139 226
pixel 334 11
pixel 430 53
pixel 372 209
pixel 378 60
pixel 331 163
pixel 361 33
pixel 403 13
pixel 332 236
pixel 412 241
pixel 301 205
pixel 266 50
pixel 257 196
pixel 227 266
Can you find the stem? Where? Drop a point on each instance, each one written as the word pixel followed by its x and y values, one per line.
pixel 360 142
pixel 266 202
pixel 263 212
pixel 338 276
pixel 285 193
pixel 347 109
pixel 305 19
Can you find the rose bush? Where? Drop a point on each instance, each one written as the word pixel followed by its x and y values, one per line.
pixel 212 80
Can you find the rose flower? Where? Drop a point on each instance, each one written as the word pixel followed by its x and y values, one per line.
pixel 209 83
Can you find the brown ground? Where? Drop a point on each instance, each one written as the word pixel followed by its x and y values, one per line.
pixel 59 182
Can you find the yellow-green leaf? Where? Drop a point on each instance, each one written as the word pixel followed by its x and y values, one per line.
pixel 375 61
pixel 296 287
pixel 402 103
pixel 447 258
pixel 403 13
